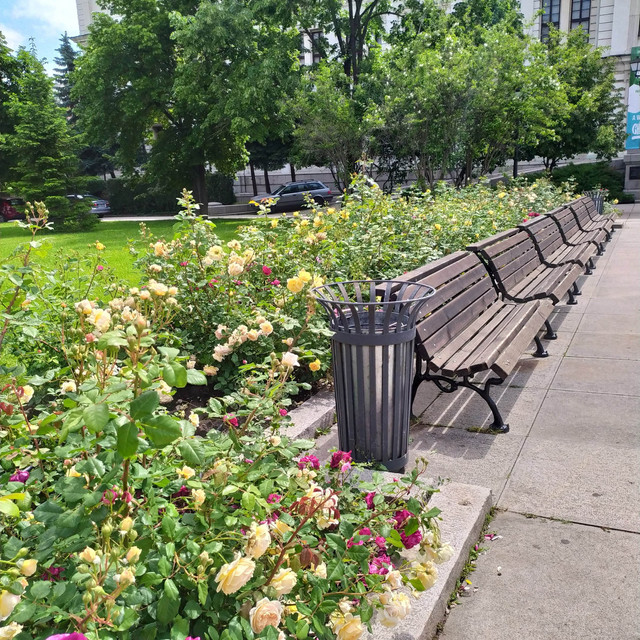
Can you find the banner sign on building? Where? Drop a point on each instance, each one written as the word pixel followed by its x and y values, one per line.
pixel 633 110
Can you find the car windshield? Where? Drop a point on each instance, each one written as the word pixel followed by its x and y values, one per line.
pixel 279 190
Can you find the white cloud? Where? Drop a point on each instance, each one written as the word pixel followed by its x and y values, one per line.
pixel 56 16
pixel 14 38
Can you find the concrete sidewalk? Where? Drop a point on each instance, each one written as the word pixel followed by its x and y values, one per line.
pixel 565 479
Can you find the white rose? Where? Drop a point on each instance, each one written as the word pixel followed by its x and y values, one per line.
pixel 10 631
pixel 259 540
pixel 395 610
pixel 234 575
pixel 444 554
pixel 8 602
pixel 289 359
pixel 284 581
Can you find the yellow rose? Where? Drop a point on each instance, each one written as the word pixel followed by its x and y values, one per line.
pixel 259 540
pixel 280 528
pixel 315 365
pixel 266 613
pixel 198 496
pixel 125 578
pixel 234 575
pixel 99 246
pixel 194 419
pixel 10 631
pixel 209 370
pixel 347 626
pixel 126 525
pixel 28 567
pixel 133 555
pixel 274 224
pixel 253 335
pixel 234 244
pixel 284 581
pixel 426 573
pixel 8 602
pixel 317 281
pixel 321 571
pixel 235 269
pixel 186 472
pixel 437 226
pixel 395 610
pixel 266 327
pixel 72 473
pixel 295 285
pixel 304 275
pixel 27 393
pixel 88 555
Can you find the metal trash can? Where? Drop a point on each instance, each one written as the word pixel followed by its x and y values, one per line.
pixel 375 329
pixel 597 195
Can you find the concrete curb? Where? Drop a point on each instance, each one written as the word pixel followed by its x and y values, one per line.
pixel 316 413
pixel 464 508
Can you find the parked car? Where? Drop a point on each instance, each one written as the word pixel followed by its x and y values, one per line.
pixel 8 210
pixel 99 207
pixel 292 195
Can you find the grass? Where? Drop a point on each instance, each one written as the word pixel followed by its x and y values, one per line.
pixel 114 235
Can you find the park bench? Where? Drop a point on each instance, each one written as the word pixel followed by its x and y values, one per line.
pixel 551 248
pixel 596 216
pixel 580 209
pixel 518 273
pixel 469 329
pixel 571 232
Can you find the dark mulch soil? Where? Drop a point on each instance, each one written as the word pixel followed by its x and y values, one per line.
pixel 194 397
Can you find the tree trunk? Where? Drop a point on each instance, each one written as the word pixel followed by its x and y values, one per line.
pixel 200 187
pixel 254 184
pixel 292 168
pixel 266 181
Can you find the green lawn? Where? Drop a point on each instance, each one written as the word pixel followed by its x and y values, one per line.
pixel 113 235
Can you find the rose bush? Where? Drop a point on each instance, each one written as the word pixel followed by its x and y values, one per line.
pixel 242 299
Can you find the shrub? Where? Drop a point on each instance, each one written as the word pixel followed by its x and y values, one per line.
pixel 131 526
pixel 586 177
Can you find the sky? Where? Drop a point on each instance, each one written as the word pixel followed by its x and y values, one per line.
pixel 44 20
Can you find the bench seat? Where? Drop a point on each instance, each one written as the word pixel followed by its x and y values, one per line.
pixel 572 234
pixel 580 209
pixel 469 329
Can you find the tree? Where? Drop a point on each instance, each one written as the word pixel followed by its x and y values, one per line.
pixel 9 74
pixel 594 122
pixel 42 146
pixel 66 62
pixel 331 128
pixel 469 14
pixel 191 79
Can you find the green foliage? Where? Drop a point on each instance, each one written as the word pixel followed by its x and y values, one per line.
pixel 594 121
pixel 584 177
pixel 42 149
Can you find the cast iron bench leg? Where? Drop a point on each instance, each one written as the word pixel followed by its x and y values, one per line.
pixel 540 351
pixel 550 334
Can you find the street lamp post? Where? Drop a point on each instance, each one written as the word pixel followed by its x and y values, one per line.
pixel 516 148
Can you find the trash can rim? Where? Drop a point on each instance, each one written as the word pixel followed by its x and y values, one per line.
pixel 429 291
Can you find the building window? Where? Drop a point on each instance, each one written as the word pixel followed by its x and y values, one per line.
pixel 550 16
pixel 316 46
pixel 580 14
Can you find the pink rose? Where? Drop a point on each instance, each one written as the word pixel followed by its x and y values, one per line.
pixel 311 461
pixel 266 270
pixel 283 412
pixel 369 499
pixel 412 540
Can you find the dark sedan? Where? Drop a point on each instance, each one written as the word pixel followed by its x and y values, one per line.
pixel 293 195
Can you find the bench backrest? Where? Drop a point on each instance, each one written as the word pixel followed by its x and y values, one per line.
pixel 463 292
pixel 590 205
pixel 545 233
pixel 580 211
pixel 566 222
pixel 510 257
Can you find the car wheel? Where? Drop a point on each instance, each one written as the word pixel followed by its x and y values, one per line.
pixel 319 201
pixel 2 218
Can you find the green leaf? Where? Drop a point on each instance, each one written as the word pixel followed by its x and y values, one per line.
pixel 414 506
pixel 127 444
pixel 168 375
pixel 92 466
pixel 335 570
pixel 170 590
pixel 192 609
pixel 248 501
pixel 144 405
pixel 230 488
pixel 96 417
pixel 40 589
pixel 180 373
pixel 366 611
pixel 167 609
pixel 162 430
pixel 302 629
pixel 395 539
pixel 412 526
pixel 48 512
pixel 192 451
pixel 9 508
pixel 432 513
pixel 196 377
pixel 203 591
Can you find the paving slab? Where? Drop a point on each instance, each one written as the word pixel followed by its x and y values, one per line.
pixel 584 482
pixel 609 323
pixel 592 345
pixel 575 416
pixel 481 459
pixel 464 409
pixel 557 583
pixel 567 321
pixel 600 375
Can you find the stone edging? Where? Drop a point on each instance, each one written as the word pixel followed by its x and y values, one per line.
pixel 318 412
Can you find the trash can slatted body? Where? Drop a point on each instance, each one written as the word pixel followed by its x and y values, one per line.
pixel 374 324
